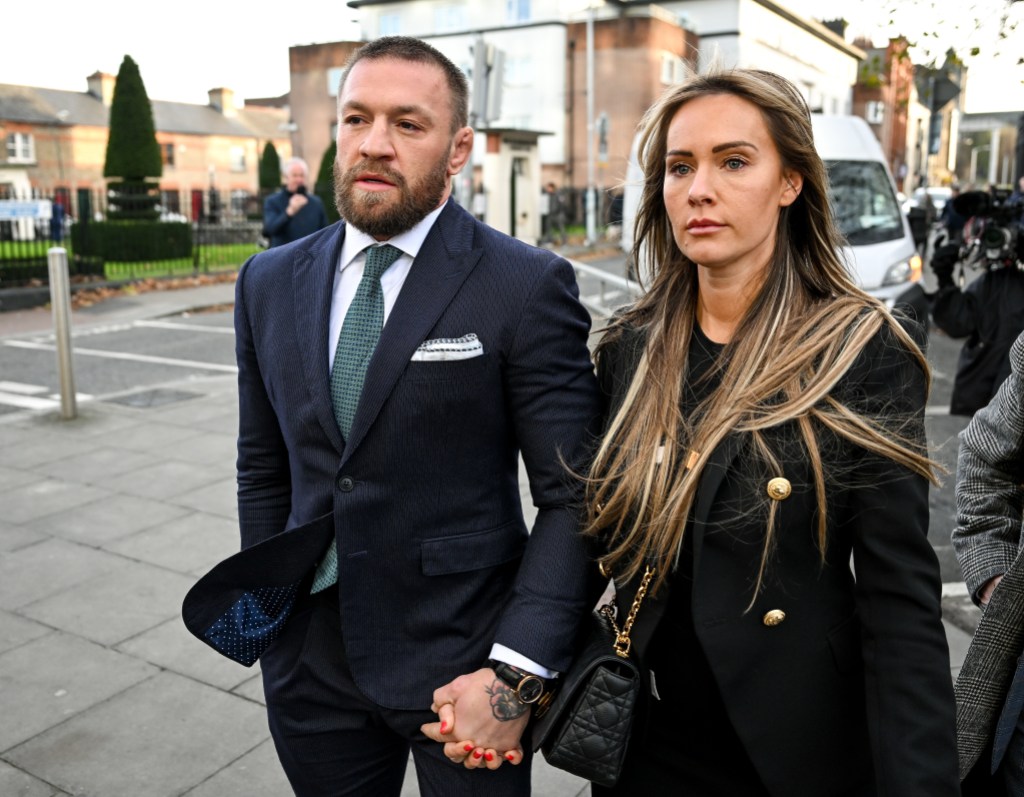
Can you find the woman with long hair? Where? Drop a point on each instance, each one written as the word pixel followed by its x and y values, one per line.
pixel 763 473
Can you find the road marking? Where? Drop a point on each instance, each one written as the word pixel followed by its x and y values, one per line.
pixel 933 410
pixel 118 355
pixel 185 327
pixel 22 388
pixel 49 402
pixel 954 589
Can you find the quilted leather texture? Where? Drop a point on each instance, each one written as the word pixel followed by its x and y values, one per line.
pixel 591 740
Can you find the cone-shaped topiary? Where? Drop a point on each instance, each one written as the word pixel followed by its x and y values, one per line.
pixel 132 150
pixel 324 187
pixel 270 168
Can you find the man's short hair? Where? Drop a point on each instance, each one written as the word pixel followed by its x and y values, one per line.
pixel 406 48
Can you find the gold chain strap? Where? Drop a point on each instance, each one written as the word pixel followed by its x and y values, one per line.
pixel 622 640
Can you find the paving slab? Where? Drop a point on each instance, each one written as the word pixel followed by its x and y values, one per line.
pixel 191 543
pixel 171 646
pixel 256 774
pixel 252 689
pixel 13 477
pixel 220 499
pixel 15 783
pixel 53 678
pixel 153 437
pixel 35 448
pixel 168 479
pixel 100 465
pixel 208 447
pixel 45 497
pixel 108 520
pixel 12 538
pixel 16 631
pixel 125 602
pixel 159 738
pixel 37 571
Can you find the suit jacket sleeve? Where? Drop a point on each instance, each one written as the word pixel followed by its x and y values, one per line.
pixel 908 689
pixel 553 402
pixel 989 479
pixel 264 483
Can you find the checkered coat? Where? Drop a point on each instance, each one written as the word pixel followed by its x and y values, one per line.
pixel 987 540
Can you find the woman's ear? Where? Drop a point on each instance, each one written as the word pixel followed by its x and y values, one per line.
pixel 794 182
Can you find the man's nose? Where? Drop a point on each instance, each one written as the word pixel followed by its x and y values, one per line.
pixel 376 143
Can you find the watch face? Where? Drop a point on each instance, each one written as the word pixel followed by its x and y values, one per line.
pixel 530 689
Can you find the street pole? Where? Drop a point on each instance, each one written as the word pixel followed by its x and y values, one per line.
pixel 591 179
pixel 60 299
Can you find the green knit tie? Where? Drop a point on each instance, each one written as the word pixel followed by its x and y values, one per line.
pixel 359 335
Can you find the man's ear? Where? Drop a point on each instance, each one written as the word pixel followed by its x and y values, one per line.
pixel 462 148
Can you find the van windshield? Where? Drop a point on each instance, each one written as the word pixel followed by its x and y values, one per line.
pixel 863 202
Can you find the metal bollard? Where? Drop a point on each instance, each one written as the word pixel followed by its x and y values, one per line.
pixel 60 299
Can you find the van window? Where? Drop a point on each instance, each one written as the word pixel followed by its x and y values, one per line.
pixel 863 202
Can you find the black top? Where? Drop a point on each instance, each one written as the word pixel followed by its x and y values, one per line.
pixel 691 745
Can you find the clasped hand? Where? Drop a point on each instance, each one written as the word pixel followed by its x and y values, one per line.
pixel 480 721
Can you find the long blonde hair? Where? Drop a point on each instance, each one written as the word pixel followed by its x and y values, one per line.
pixel 801 334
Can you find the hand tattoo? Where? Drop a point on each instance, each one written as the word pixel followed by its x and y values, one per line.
pixel 505 706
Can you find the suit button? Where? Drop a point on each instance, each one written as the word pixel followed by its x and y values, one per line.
pixel 773 618
pixel 779 489
pixel 346 484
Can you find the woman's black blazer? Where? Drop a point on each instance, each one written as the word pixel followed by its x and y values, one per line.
pixel 840 667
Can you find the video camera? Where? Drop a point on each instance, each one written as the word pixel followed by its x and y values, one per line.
pixel 993 238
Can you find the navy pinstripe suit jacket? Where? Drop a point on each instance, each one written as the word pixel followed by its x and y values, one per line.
pixel 434 559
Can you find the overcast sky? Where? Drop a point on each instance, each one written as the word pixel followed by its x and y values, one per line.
pixel 190 46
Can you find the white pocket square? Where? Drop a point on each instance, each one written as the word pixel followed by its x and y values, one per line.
pixel 449 349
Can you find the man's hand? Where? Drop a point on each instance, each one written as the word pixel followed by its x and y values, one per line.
pixel 296 203
pixel 480 720
pixel 985 593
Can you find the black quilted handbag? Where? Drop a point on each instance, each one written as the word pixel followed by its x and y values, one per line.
pixel 584 726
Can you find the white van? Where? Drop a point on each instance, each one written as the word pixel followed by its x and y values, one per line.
pixel 880 248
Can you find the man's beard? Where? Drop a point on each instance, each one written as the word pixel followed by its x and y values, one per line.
pixel 379 214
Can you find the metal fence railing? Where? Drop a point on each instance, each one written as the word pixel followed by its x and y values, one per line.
pixel 224 229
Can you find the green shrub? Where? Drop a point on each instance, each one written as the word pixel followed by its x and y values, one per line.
pixel 128 241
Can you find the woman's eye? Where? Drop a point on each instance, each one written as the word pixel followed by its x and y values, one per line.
pixel 679 168
pixel 734 163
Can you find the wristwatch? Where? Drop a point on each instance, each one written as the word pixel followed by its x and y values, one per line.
pixel 528 688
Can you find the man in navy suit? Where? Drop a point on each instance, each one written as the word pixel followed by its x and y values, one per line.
pixel 430 572
pixel 293 212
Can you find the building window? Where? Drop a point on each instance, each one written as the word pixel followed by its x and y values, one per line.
pixel 238 159
pixel 334 80
pixel 21 148
pixel 388 25
pixel 517 10
pixel 673 69
pixel 167 154
pixel 874 112
pixel 449 18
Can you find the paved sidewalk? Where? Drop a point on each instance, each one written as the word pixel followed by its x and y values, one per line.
pixel 106 522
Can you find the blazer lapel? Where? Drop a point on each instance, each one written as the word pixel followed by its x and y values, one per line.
pixel 437 273
pixel 313 288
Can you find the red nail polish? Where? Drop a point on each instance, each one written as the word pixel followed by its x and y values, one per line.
pixel 510 756
pixel 468 748
pixel 444 727
pixel 489 756
pixel 477 754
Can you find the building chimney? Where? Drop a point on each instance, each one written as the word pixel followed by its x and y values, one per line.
pixel 223 100
pixel 101 86
pixel 837 26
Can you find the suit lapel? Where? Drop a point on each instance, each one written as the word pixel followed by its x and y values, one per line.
pixel 437 273
pixel 710 481
pixel 313 289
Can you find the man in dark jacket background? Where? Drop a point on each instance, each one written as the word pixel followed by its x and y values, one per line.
pixel 293 212
pixel 989 313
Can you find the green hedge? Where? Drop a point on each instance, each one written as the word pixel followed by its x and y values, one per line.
pixel 15 273
pixel 126 241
